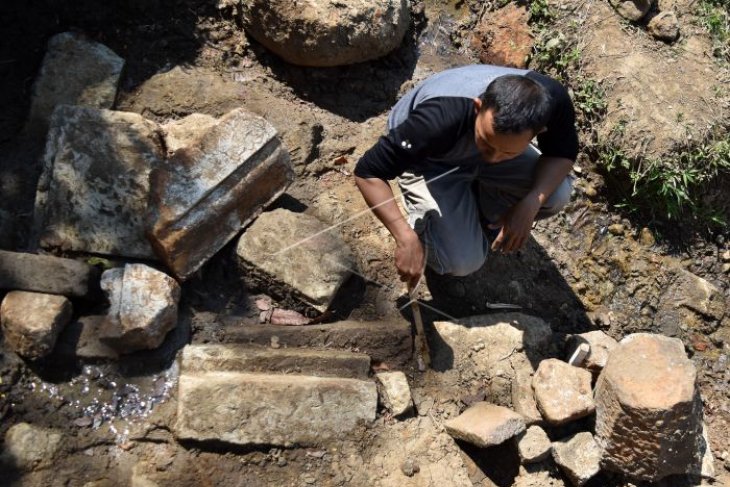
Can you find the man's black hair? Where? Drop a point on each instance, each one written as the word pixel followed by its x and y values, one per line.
pixel 518 104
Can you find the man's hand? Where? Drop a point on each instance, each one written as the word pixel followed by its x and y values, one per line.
pixel 516 225
pixel 409 258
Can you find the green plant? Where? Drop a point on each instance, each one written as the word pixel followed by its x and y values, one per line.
pixel 671 188
pixel 541 14
pixel 590 99
pixel 714 16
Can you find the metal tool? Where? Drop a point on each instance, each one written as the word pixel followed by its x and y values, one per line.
pixel 423 355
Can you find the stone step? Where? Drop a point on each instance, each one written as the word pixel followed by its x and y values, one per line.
pixel 247 358
pixel 384 341
pixel 264 409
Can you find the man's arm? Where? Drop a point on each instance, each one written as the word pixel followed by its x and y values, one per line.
pixel 517 222
pixel 409 255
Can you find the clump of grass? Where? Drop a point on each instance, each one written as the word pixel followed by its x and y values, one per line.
pixel 715 17
pixel 672 188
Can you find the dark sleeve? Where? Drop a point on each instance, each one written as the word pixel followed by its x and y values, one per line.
pixel 561 137
pixel 431 128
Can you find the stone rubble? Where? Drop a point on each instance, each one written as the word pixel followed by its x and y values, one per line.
pixel 75 71
pixel 563 392
pixel 31 322
pixel 28 447
pixel 578 457
pixel 47 274
pixel 664 27
pixel 395 392
pixel 600 347
pixel 205 193
pixel 327 33
pixel 534 445
pixel 648 409
pixel 92 195
pixel 82 339
pixel 632 9
pixel 485 424
pixel 143 307
pixel 296 257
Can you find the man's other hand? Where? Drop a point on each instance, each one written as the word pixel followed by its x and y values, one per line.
pixel 409 258
pixel 516 225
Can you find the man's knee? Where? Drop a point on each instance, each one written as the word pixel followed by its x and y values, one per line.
pixel 458 263
pixel 558 200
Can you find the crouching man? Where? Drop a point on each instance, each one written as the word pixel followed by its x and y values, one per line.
pixel 460 146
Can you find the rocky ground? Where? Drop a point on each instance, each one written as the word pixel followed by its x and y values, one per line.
pixel 591 268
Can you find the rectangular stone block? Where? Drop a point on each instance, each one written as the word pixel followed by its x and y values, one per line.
pixel 208 191
pixel 92 194
pixel 389 342
pixel 47 274
pixel 246 358
pixel 262 409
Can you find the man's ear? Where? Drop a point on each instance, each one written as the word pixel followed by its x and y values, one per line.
pixel 477 104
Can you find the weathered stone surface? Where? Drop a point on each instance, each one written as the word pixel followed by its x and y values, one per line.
pixel 83 339
pixel 205 193
pixel 75 71
pixel 327 33
pixel 384 341
pixel 664 27
pixel 689 303
pixel 29 447
pixel 600 346
pixel 578 457
pixel 92 195
pixel 247 358
pixel 495 349
pixel 485 424
pixel 143 307
pixel 298 254
pixel 185 132
pixel 503 37
pixel 535 476
pixel 534 445
pixel 47 274
pixel 31 322
pixel 632 9
pixel 648 410
pixel 396 393
pixel 260 409
pixel 563 392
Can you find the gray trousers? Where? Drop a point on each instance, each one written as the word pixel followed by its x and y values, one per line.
pixel 444 209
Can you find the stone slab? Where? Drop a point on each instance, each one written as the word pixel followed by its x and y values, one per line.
pixel 383 341
pixel 578 457
pixel 47 274
pixel 92 194
pixel 485 424
pixel 296 256
pixel 31 322
pixel 262 409
pixel 563 392
pixel 247 358
pixel 496 349
pixel 75 71
pixel 206 192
